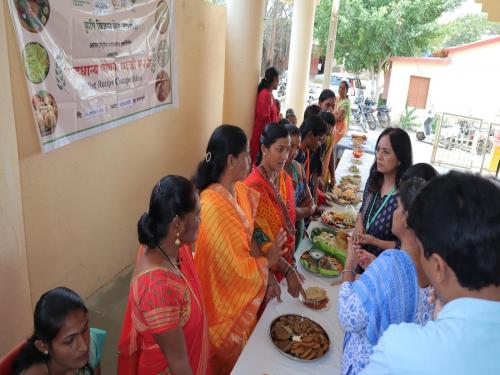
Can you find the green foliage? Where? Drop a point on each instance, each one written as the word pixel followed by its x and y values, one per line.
pixel 370 31
pixel 322 23
pixel 408 119
pixel 467 29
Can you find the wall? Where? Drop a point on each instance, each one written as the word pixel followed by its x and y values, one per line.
pixel 81 202
pixel 468 86
pixel 476 81
pixel 400 81
pixel 14 285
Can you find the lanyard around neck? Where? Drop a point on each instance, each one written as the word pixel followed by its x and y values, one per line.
pixel 371 219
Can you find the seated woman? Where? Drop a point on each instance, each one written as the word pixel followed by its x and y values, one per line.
pixel 63 342
pixel 373 223
pixel 276 210
pixel 165 326
pixel 304 205
pixel 234 281
pixel 393 289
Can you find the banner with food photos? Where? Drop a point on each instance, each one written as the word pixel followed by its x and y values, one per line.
pixel 92 65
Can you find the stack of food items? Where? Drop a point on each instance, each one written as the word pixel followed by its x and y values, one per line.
pixel 316 298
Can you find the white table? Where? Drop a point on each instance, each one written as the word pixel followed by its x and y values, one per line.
pixel 260 356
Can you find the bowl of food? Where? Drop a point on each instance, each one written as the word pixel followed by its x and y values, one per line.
pixel 357 153
pixel 299 338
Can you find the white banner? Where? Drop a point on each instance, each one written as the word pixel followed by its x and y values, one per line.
pixel 93 65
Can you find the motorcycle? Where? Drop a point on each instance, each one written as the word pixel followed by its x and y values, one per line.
pixel 383 117
pixel 369 108
pixel 358 114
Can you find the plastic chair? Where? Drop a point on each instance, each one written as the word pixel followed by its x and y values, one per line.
pixel 7 360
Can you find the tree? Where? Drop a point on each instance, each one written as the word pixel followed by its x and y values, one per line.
pixel 371 31
pixel 277 31
pixel 467 29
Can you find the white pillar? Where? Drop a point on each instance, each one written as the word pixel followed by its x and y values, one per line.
pixel 300 56
pixel 244 38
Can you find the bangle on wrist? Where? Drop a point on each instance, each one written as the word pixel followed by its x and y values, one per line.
pixel 348 271
pixel 288 270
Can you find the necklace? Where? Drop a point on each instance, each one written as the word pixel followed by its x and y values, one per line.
pixel 176 267
pixel 174 264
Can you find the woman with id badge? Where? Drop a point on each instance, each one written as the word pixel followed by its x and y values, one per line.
pixel 373 224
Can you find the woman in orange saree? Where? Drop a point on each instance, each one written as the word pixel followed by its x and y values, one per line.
pixel 276 210
pixel 165 326
pixel 233 278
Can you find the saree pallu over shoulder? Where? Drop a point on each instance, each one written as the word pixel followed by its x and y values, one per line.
pixel 233 282
pixel 276 209
pixel 160 300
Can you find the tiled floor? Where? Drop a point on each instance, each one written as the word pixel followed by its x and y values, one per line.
pixel 106 308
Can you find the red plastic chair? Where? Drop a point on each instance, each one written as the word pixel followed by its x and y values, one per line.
pixel 7 360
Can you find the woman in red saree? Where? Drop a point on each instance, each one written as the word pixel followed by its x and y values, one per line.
pixel 165 326
pixel 276 209
pixel 266 110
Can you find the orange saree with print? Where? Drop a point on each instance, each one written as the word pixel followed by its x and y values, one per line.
pixel 233 282
pixel 276 210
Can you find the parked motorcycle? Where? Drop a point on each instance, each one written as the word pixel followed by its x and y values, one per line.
pixel 358 114
pixel 383 117
pixel 369 108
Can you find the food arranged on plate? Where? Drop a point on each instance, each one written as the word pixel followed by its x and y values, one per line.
pixel 341 220
pixel 299 337
pixel 323 264
pixel 329 240
pixel 358 140
pixel 351 181
pixel 345 195
pixel 316 298
pixel 357 161
pixel 353 169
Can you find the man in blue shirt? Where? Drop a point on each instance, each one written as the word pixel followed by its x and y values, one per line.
pixel 456 218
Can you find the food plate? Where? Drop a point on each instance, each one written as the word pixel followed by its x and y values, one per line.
pixel 357 161
pixel 350 179
pixel 329 240
pixel 340 220
pixel 329 265
pixel 299 338
pixel 353 168
pixel 316 298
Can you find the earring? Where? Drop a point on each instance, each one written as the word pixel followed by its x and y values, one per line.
pixel 177 241
pixel 46 352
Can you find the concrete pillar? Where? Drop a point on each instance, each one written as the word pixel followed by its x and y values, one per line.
pixel 244 38
pixel 16 312
pixel 300 56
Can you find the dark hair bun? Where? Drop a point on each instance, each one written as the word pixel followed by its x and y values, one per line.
pixel 146 236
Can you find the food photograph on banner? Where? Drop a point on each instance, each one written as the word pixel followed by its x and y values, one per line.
pixel 94 65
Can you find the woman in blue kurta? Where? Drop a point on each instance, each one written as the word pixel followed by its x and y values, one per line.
pixel 392 290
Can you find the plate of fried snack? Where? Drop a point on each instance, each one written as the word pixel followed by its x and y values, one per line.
pixel 299 338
